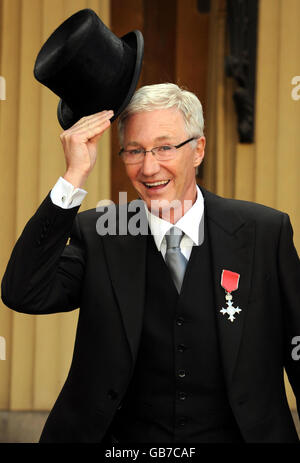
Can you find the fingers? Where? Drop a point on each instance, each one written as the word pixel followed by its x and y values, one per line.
pixel 88 122
pixel 89 127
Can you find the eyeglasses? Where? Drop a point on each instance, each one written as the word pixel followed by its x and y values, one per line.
pixel 161 153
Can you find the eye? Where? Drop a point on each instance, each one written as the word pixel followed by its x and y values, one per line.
pixel 135 152
pixel 163 148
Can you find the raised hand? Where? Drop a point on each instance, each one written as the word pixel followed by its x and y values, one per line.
pixel 80 146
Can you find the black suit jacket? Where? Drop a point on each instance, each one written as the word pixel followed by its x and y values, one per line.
pixel 105 277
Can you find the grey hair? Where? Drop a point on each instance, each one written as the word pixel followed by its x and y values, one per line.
pixel 165 96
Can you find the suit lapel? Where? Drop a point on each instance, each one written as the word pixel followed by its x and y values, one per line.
pixel 232 247
pixel 126 260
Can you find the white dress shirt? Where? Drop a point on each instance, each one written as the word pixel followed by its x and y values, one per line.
pixel 66 196
pixel 189 223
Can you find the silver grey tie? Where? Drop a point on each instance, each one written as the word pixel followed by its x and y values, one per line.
pixel 175 260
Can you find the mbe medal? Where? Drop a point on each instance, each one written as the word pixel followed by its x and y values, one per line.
pixel 230 282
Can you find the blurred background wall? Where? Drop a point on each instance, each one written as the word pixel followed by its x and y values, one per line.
pixel 182 45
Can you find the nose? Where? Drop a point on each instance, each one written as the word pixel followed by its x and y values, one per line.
pixel 150 165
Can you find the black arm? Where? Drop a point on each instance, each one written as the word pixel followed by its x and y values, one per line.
pixel 44 275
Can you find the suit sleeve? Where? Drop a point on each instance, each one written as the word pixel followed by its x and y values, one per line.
pixel 289 274
pixel 44 275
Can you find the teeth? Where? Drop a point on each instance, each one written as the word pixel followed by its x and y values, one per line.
pixel 164 182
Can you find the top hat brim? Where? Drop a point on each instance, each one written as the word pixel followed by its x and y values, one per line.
pixel 67 117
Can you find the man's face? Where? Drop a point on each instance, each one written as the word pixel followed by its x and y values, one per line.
pixel 155 128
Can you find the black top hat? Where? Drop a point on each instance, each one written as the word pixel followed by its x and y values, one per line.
pixel 89 67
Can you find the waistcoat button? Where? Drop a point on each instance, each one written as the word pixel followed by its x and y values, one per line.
pixel 182 422
pixel 113 395
pixel 181 348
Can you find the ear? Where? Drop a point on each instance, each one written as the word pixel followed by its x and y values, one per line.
pixel 199 151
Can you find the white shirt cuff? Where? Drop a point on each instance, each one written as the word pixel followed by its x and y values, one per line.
pixel 64 195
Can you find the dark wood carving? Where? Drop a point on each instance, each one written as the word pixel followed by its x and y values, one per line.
pixel 242 18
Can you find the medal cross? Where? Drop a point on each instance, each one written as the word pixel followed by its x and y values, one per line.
pixel 230 310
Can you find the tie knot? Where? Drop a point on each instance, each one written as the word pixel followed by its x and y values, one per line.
pixel 173 237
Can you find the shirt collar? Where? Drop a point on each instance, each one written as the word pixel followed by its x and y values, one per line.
pixel 189 223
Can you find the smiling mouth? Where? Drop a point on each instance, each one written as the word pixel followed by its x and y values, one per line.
pixel 156 185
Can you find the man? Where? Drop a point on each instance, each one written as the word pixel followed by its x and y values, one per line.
pixel 176 342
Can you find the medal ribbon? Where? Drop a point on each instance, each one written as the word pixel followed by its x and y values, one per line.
pixel 230 280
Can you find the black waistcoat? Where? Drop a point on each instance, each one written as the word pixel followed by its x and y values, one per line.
pixel 177 393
